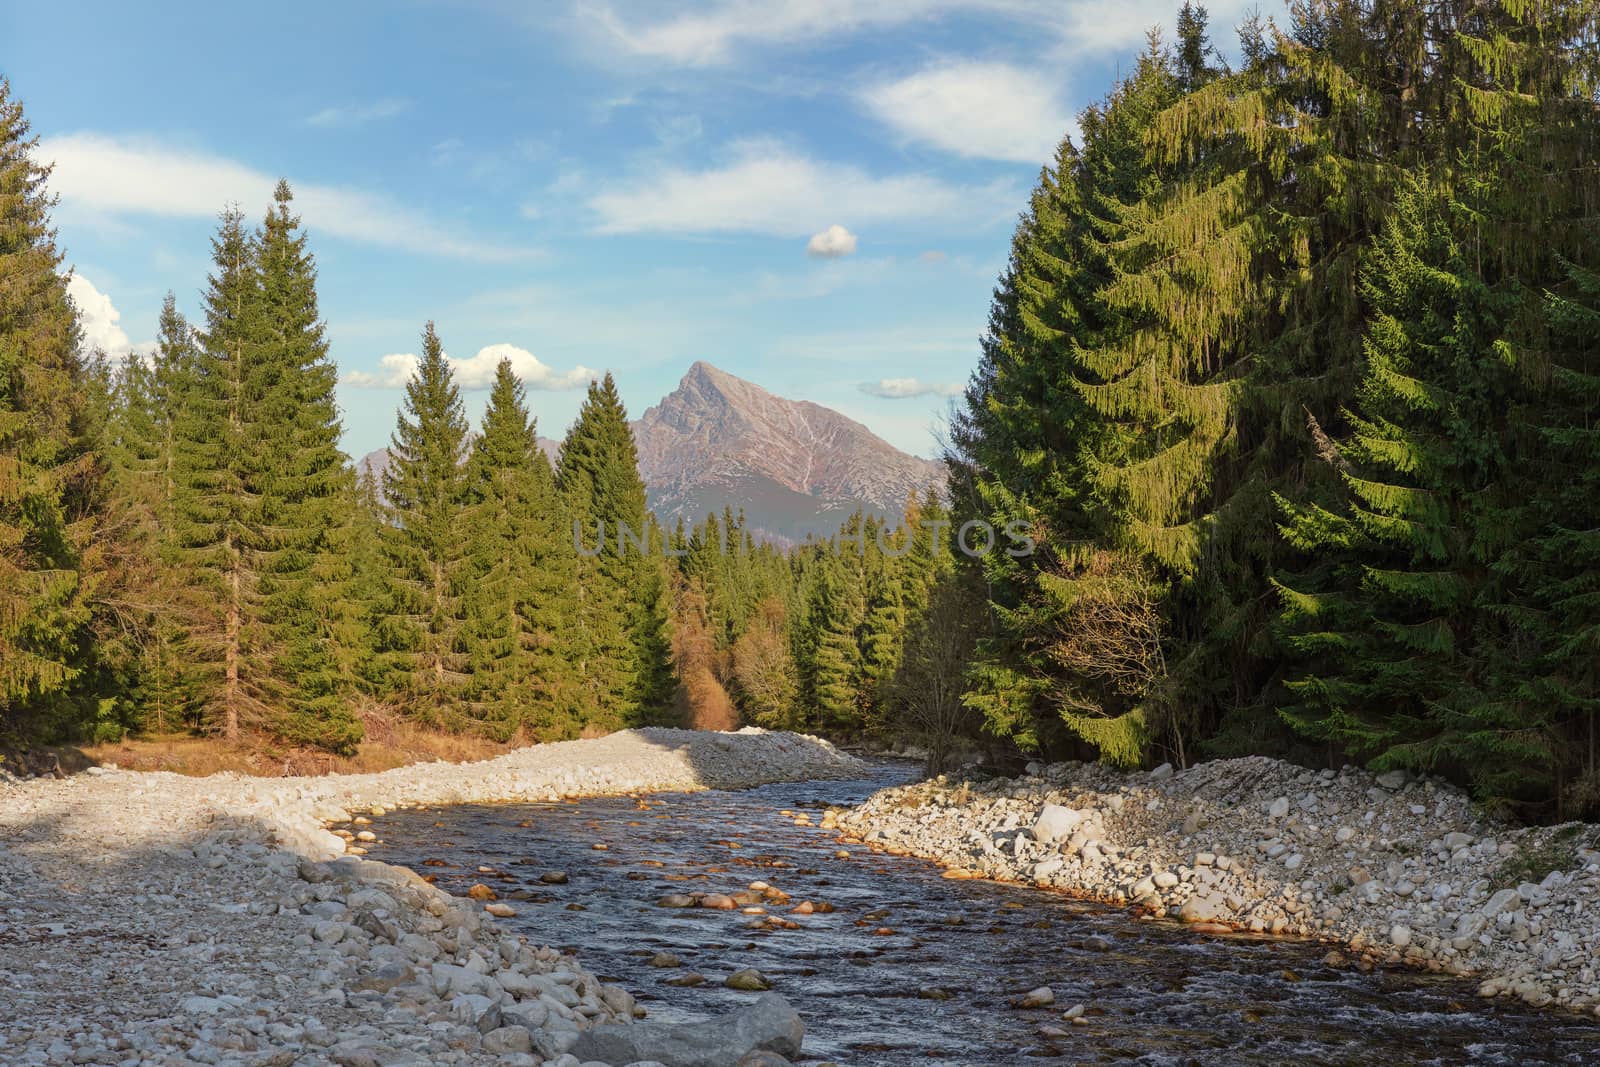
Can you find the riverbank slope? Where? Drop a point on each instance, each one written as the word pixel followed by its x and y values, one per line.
pixel 1391 868
pixel 160 919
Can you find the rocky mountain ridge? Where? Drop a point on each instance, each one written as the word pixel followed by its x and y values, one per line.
pixel 792 466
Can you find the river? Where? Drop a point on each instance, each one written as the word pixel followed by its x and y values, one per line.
pixel 865 975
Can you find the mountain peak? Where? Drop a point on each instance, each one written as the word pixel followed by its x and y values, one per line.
pixel 793 466
pixel 703 377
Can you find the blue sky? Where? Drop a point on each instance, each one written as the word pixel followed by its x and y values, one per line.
pixel 816 195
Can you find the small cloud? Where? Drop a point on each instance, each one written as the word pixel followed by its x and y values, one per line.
pixel 906 388
pixel 359 114
pixel 832 243
pixel 932 255
pixel 475 372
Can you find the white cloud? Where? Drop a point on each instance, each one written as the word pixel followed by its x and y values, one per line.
pixel 714 32
pixel 99 321
pixel 906 388
pixel 974 109
pixel 832 243
pixel 127 176
pixel 475 372
pixel 706 37
pixel 360 114
pixel 770 190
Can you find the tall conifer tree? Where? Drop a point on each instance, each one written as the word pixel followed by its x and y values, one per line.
pixel 306 491
pixel 429 543
pixel 623 655
pixel 48 473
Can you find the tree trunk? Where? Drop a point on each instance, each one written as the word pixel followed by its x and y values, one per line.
pixel 230 693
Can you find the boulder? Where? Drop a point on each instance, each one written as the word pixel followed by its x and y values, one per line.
pixel 1042 997
pixel 508 1039
pixel 450 980
pixel 768 1025
pixel 1202 907
pixel 749 979
pixel 1392 780
pixel 1503 901
pixel 1056 823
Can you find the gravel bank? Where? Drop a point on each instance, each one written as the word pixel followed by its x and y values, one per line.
pixel 1392 869
pixel 157 919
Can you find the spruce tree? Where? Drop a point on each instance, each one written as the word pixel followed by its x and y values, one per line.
pixel 1394 630
pixel 216 478
pixel 305 492
pixel 428 540
pixel 621 645
pixel 521 595
pixel 48 473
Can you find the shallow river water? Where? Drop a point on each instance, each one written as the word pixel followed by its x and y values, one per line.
pixel 863 975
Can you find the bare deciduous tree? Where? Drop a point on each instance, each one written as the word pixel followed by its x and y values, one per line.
pixel 929 683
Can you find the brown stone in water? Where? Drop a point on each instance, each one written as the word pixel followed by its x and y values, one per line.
pixel 554 878
pixel 479 891
pixel 690 979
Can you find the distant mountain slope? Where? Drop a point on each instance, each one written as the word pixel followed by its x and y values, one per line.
pixel 792 466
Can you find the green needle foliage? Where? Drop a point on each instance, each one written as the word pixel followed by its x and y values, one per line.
pixel 1291 373
pixel 49 471
pixel 428 539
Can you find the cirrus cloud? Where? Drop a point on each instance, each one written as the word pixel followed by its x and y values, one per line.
pixel 907 388
pixel 360 114
pixel 476 371
pixel 112 176
pixel 712 34
pixel 768 189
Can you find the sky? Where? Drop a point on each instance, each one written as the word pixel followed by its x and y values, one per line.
pixel 816 195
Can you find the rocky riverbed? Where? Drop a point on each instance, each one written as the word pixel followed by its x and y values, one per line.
pixel 1391 869
pixel 156 919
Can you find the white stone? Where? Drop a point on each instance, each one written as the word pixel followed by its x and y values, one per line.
pixel 1503 902
pixel 1056 823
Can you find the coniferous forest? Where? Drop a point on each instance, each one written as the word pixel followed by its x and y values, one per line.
pixel 1293 376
